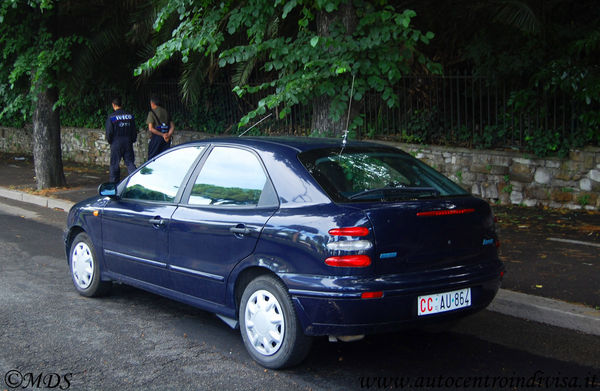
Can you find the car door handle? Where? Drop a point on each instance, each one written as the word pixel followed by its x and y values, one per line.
pixel 157 221
pixel 241 230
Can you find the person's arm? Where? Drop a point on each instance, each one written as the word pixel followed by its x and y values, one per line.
pixel 153 130
pixel 168 135
pixel 134 130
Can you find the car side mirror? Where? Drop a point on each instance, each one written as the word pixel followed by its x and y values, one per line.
pixel 108 189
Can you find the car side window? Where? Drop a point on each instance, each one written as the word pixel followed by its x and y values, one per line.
pixel 161 179
pixel 232 177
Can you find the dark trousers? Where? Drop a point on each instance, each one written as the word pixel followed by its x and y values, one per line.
pixel 121 147
pixel 156 146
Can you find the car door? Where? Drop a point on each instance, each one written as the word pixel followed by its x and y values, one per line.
pixel 229 200
pixel 135 225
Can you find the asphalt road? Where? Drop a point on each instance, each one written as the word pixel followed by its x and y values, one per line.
pixel 136 340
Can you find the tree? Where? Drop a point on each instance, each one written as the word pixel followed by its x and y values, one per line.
pixel 50 50
pixel 308 51
pixel 29 43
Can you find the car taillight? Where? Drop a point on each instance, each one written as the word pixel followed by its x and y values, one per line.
pixel 350 245
pixel 349 231
pixel 371 295
pixel 445 212
pixel 348 242
pixel 349 261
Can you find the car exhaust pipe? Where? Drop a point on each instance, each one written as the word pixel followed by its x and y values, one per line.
pixel 346 338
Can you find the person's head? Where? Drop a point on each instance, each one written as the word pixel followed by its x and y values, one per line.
pixel 116 103
pixel 154 102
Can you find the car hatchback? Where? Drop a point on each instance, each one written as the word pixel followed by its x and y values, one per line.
pixel 290 238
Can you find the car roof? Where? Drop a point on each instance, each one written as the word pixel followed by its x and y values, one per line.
pixel 299 144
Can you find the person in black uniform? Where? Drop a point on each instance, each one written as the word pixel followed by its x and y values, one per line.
pixel 161 128
pixel 121 133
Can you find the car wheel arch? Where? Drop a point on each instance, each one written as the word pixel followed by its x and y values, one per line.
pixel 71 234
pixel 244 278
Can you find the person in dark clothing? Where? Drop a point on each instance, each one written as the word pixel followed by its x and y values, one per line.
pixel 121 133
pixel 161 128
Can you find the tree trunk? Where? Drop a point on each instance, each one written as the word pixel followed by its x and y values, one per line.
pixel 322 123
pixel 47 153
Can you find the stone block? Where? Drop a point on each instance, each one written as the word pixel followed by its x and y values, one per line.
pixel 542 175
pixel 576 155
pixel 570 171
pixel 521 172
pixel 588 161
pixel 480 158
pixel 498 160
pixel 561 196
pixel 463 160
pixel 468 177
pixel 499 170
pixel 504 198
pixel 480 168
pixel 538 193
pixel 516 185
pixel 489 191
pixel 523 161
pixel 516 197
pixel 585 184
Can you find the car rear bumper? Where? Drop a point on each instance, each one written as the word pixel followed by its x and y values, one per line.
pixel 333 306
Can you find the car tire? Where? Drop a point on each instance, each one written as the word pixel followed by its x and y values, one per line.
pixel 269 325
pixel 85 270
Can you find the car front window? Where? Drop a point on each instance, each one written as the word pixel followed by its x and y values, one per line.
pixel 161 179
pixel 366 174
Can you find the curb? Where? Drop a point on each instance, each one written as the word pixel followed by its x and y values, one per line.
pixel 520 305
pixel 46 202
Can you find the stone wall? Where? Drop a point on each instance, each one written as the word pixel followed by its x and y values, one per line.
pixel 516 178
pixel 498 176
pixel 84 145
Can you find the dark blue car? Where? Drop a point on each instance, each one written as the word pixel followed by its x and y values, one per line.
pixel 291 238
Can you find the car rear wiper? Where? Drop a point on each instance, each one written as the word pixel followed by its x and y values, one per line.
pixel 416 192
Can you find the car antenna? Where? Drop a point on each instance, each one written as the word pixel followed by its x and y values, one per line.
pixel 345 138
pixel 247 130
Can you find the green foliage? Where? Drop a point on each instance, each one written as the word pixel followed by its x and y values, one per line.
pixel 32 57
pixel 459 176
pixel 508 188
pixel 584 200
pixel 419 125
pixel 491 136
pixel 301 62
pixel 553 52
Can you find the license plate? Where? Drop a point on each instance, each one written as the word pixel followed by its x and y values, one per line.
pixel 443 302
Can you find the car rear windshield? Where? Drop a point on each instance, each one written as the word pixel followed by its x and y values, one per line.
pixel 359 174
